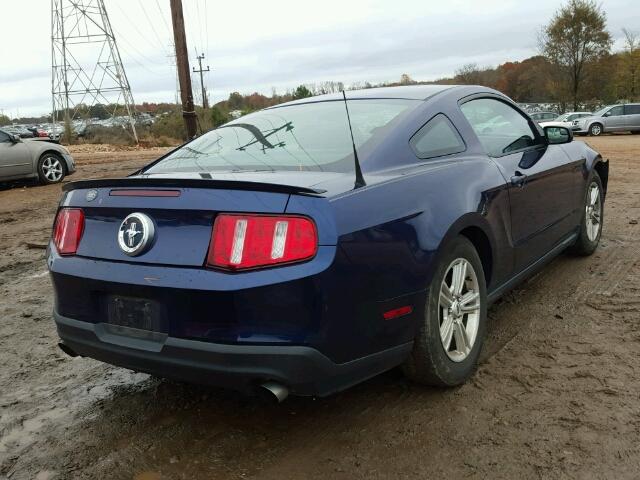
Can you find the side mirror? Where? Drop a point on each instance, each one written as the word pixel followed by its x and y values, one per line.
pixel 14 138
pixel 558 135
pixel 607 114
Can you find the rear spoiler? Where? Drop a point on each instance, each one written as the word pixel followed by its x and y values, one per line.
pixel 191 183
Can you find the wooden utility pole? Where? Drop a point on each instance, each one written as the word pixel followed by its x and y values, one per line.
pixel 184 73
pixel 205 102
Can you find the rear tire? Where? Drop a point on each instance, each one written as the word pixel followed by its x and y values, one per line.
pixel 592 218
pixel 451 320
pixel 595 130
pixel 51 169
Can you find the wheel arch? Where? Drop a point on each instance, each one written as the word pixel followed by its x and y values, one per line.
pixel 602 168
pixel 475 228
pixel 482 244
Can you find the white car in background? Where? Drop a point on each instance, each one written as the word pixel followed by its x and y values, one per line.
pixel 565 120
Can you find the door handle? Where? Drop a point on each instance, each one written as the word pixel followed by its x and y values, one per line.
pixel 518 180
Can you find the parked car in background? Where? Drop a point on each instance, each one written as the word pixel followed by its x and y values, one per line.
pixel 312 245
pixel 38 131
pixel 613 118
pixel 87 130
pixel 19 130
pixel 30 158
pixel 55 132
pixel 565 120
pixel 543 116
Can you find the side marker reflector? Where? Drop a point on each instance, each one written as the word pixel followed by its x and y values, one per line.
pixel 398 312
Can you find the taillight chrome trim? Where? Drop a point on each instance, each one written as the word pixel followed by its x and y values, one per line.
pixel 237 247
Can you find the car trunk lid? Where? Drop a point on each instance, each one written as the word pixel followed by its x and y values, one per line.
pixel 182 211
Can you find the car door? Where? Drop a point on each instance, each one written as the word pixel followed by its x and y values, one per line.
pixel 614 119
pixel 542 181
pixel 632 117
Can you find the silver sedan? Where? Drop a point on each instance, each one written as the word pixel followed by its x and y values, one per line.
pixel 32 158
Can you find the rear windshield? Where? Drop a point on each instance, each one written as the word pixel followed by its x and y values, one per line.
pixel 312 136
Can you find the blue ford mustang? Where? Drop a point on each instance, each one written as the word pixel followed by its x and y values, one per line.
pixel 312 245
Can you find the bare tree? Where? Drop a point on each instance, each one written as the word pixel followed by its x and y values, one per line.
pixel 405 79
pixel 630 65
pixel 576 38
pixel 631 40
pixel 468 74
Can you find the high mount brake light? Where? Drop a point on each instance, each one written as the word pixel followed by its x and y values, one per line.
pixel 241 242
pixel 68 230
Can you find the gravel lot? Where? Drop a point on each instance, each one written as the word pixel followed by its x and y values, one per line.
pixel 556 395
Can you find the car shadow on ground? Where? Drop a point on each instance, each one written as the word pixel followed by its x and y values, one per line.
pixel 179 428
pixel 184 424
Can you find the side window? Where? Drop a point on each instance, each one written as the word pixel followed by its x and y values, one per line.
pixel 632 109
pixel 3 137
pixel 615 111
pixel 436 138
pixel 500 128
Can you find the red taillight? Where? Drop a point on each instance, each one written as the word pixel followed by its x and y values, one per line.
pixel 250 241
pixel 68 230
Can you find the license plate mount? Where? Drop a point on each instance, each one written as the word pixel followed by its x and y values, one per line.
pixel 139 313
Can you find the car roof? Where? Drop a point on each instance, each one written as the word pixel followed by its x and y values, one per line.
pixel 408 92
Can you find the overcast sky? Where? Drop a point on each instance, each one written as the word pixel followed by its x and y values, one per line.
pixel 256 45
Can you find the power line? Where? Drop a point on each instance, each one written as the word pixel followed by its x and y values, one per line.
pixel 166 24
pixel 199 24
pixel 135 27
pixel 155 32
pixel 139 53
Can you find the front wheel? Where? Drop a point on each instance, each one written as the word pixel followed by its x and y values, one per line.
pixel 595 130
pixel 592 218
pixel 447 346
pixel 50 169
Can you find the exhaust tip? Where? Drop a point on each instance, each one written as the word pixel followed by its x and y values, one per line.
pixel 66 349
pixel 277 391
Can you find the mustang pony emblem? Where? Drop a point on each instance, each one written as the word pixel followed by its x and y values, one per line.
pixel 136 234
pixel 131 234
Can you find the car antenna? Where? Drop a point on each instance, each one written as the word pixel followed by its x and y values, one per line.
pixel 359 178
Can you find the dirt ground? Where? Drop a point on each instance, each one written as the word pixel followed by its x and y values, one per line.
pixel 556 395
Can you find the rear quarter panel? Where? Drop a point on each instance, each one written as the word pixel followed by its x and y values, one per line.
pixel 392 234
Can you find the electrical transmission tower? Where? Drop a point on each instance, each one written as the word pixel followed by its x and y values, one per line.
pixel 86 66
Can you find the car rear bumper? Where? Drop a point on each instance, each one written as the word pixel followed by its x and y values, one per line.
pixel 304 370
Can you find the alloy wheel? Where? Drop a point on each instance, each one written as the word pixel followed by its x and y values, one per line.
pixel 593 212
pixel 459 309
pixel 52 169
